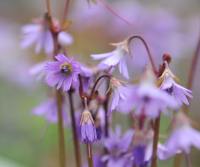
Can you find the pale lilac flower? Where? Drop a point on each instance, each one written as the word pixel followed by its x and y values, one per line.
pixel 87 127
pixel 120 92
pixel 169 84
pixel 48 110
pixel 38 70
pixel 182 137
pixel 62 73
pixel 117 147
pixel 149 100
pixel 119 57
pixel 38 34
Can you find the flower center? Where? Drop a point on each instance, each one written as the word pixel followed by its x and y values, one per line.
pixel 66 68
pixel 169 90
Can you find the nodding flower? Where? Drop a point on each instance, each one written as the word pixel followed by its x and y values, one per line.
pixel 119 92
pixel 87 127
pixel 118 57
pixel 168 82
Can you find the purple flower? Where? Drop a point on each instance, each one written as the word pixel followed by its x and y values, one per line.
pixel 170 86
pixel 119 93
pixel 117 147
pixel 62 73
pixel 120 56
pixel 48 110
pixel 182 138
pixel 87 127
pixel 38 34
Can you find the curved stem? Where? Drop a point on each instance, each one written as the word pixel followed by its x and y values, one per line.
pixel 147 49
pixel 74 130
pixel 67 2
pixel 155 141
pixel 109 8
pixel 194 65
pixel 97 81
pixel 59 99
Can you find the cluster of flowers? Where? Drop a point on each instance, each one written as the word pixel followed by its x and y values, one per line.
pixel 155 94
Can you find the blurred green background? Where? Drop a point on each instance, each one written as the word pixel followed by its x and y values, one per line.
pixel 29 141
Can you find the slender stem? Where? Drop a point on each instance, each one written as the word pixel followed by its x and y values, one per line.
pixel 67 2
pixel 48 6
pixel 74 130
pixel 95 84
pixel 59 100
pixel 193 66
pixel 155 141
pixel 188 160
pixel 89 155
pixel 147 49
pixel 110 9
pixel 177 160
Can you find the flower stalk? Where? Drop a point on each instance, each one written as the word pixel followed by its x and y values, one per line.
pixel 74 130
pixel 89 155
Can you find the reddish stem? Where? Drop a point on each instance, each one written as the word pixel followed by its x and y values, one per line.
pixel 194 65
pixel 147 49
pixel 67 2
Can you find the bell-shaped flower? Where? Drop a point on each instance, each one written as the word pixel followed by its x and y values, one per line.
pixel 62 73
pixel 168 83
pixel 87 127
pixel 118 57
pixel 119 92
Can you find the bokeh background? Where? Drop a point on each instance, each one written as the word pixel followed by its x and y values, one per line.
pixel 171 26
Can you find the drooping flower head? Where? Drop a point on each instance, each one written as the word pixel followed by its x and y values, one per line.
pixel 117 146
pixel 120 92
pixel 148 100
pixel 182 137
pixel 168 83
pixel 39 34
pixel 87 127
pixel 62 73
pixel 119 57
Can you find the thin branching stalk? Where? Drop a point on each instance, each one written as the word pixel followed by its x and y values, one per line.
pixel 62 156
pixel 74 130
pixel 155 141
pixel 48 7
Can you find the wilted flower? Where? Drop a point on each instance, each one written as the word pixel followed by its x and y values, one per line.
pixel 168 83
pixel 119 93
pixel 87 126
pixel 39 34
pixel 120 56
pixel 117 147
pixel 48 110
pixel 62 73
pixel 182 138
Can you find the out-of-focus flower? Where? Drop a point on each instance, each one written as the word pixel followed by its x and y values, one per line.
pixel 182 138
pixel 149 100
pixel 87 126
pixel 117 147
pixel 38 70
pixel 48 110
pixel 39 34
pixel 119 93
pixel 168 83
pixel 120 56
pixel 62 73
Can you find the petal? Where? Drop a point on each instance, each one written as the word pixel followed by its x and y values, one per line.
pixel 65 38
